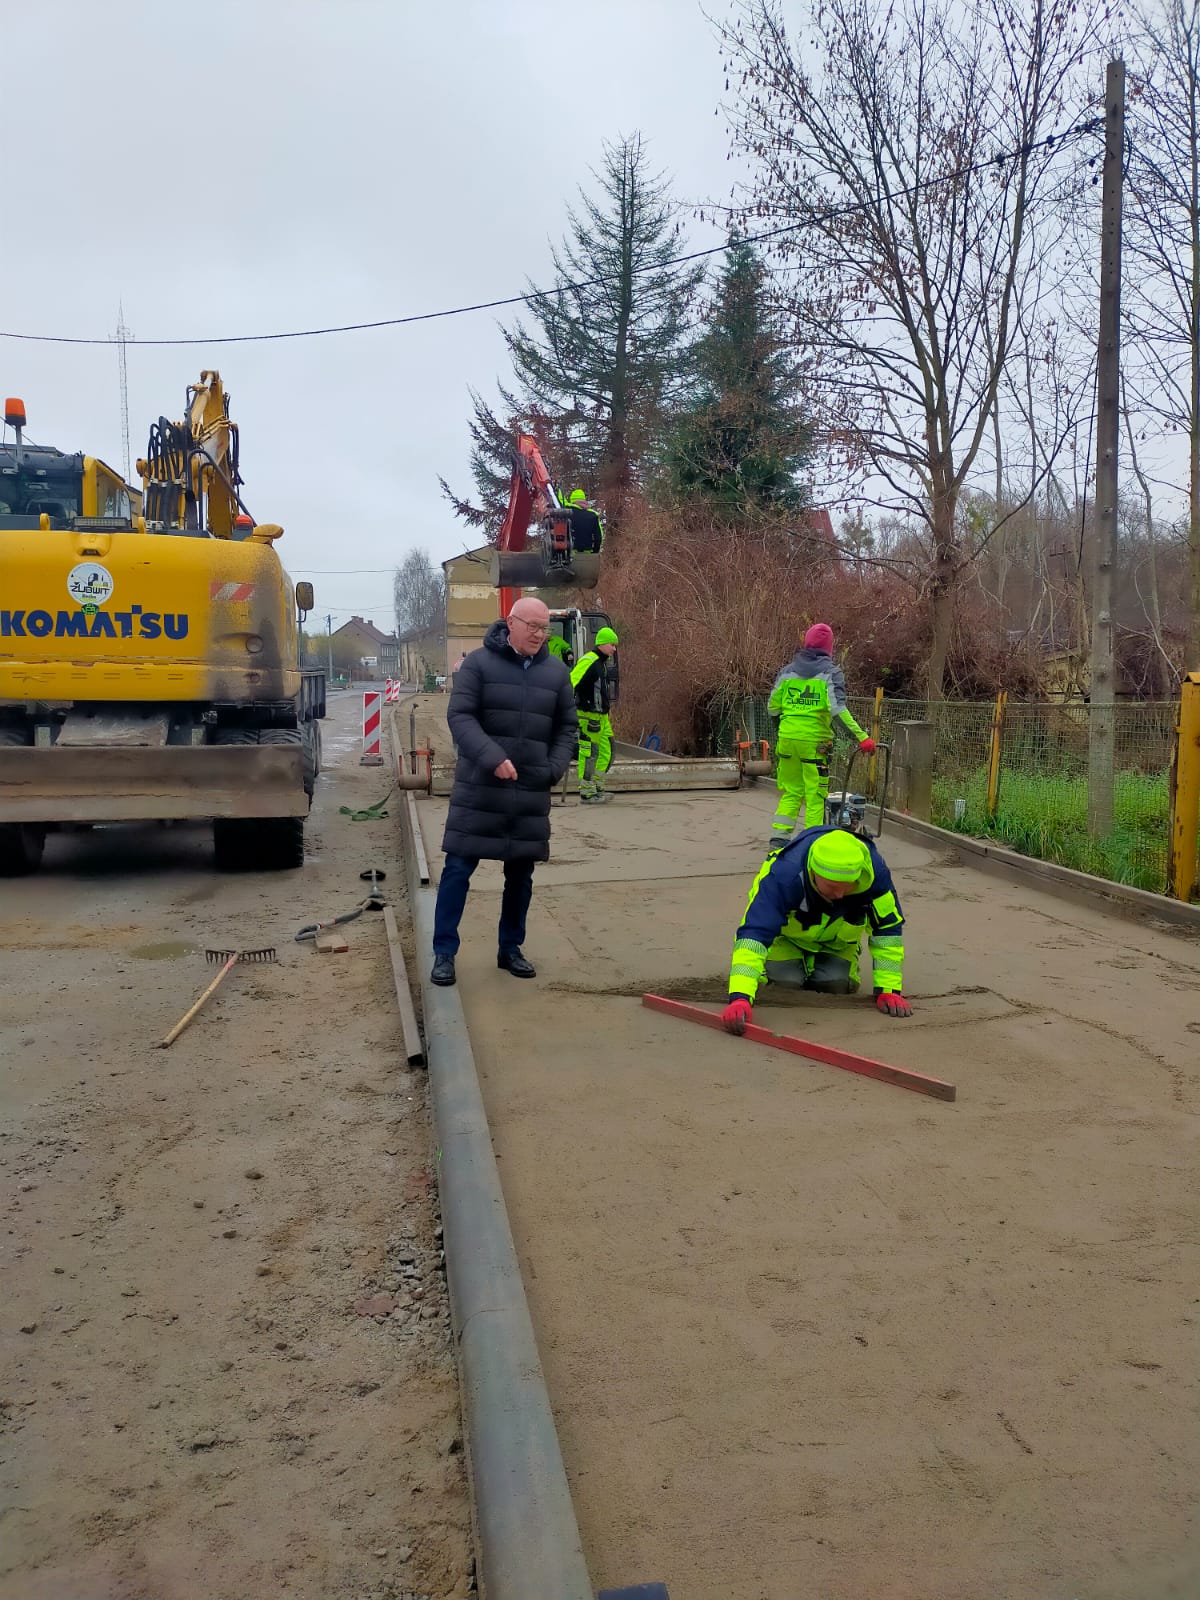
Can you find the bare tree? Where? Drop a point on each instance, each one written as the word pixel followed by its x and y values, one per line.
pixel 1162 247
pixel 419 594
pixel 915 150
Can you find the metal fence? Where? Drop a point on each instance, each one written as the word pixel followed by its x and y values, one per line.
pixel 1037 800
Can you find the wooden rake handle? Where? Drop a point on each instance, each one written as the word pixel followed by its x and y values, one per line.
pixel 188 1015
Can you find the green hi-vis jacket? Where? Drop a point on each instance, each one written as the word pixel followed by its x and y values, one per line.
pixel 808 695
pixel 589 679
pixel 786 916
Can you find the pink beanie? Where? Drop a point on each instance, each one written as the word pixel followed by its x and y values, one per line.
pixel 819 637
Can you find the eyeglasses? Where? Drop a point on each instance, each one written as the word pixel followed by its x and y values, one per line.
pixel 534 627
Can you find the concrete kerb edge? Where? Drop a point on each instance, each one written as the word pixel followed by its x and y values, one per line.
pixel 526 1533
pixel 1081 887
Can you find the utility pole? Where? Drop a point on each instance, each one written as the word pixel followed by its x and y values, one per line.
pixel 1108 424
pixel 329 640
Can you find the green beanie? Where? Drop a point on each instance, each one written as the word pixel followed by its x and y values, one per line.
pixel 577 497
pixel 839 856
pixel 607 636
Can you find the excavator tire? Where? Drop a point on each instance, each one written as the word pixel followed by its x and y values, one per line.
pixel 21 846
pixel 523 569
pixel 21 843
pixel 259 844
pixel 310 734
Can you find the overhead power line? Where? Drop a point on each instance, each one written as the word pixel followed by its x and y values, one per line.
pixel 535 295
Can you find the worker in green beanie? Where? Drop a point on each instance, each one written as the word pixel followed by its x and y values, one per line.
pixel 589 679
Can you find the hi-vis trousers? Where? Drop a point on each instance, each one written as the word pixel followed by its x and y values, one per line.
pixel 803 778
pixel 595 751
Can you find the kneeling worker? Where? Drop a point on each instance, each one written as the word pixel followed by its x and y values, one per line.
pixel 589 679
pixel 804 924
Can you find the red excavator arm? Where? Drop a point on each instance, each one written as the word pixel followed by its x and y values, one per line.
pixel 532 500
pixel 530 496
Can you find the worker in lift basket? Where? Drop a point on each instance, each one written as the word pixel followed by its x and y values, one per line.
pixel 587 531
pixel 804 923
pixel 808 697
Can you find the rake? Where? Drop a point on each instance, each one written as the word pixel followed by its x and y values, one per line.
pixel 229 960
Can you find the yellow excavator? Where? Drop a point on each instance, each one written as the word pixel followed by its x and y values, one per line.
pixel 150 647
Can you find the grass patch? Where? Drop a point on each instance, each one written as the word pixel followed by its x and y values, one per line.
pixel 1046 817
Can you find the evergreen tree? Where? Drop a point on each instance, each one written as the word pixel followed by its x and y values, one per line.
pixel 492 444
pixel 601 355
pixel 743 443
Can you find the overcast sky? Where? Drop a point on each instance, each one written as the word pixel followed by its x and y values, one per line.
pixel 261 166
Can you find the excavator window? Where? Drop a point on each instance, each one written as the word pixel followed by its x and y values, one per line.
pixel 29 490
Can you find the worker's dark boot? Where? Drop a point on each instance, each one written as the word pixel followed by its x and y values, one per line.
pixel 443 971
pixel 513 961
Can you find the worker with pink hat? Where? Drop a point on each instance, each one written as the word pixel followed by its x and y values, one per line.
pixel 808 698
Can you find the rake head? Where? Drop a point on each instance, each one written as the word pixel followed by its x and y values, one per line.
pixel 219 957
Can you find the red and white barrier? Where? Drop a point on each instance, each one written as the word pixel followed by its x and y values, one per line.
pixel 391 693
pixel 372 755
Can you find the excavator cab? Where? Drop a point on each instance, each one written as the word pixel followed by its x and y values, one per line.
pixel 72 491
pixel 578 629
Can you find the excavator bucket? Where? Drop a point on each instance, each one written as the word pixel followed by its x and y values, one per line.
pixel 528 569
pixel 99 784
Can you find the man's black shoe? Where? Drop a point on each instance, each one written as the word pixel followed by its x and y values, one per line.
pixel 443 971
pixel 513 961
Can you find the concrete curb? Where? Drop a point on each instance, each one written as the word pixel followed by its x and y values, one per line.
pixel 526 1534
pixel 1097 893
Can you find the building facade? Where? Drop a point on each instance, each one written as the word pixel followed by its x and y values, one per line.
pixel 376 653
pixel 472 603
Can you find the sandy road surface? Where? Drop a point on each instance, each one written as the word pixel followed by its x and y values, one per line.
pixel 810 1337
pixel 191 1408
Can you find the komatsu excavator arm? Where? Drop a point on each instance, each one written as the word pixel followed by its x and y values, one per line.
pixel 190 474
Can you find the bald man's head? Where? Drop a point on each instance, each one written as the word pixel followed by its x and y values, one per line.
pixel 528 625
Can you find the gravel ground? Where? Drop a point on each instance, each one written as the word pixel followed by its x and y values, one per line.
pixel 227 1367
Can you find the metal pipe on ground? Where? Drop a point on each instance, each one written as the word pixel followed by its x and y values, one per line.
pixel 408 780
pixel 527 1534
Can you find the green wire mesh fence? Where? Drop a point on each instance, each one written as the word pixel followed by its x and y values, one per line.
pixel 1042 796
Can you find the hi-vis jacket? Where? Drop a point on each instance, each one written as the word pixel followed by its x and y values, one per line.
pixel 786 917
pixel 808 694
pixel 589 679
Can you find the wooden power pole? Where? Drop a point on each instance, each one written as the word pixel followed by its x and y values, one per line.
pixel 1108 420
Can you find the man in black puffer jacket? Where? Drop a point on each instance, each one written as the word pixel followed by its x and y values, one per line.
pixel 512 718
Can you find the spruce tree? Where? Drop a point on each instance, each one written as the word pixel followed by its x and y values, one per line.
pixel 742 443
pixel 600 357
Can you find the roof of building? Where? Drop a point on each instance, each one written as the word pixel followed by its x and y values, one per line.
pixel 369 628
pixel 479 555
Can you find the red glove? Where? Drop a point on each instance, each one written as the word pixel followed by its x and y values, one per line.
pixel 867 746
pixel 895 1005
pixel 736 1015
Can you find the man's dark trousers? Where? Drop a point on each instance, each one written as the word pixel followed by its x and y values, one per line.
pixel 452 897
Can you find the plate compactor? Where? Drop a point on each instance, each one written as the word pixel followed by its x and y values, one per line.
pixel 846 809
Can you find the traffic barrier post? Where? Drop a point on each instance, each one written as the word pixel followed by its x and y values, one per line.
pixel 372 755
